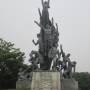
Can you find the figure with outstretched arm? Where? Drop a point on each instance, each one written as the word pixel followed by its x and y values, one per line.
pixel 39 12
pixel 39 25
pixel 45 4
pixel 35 43
pixel 42 2
pixel 38 41
pixel 63 54
pixel 48 28
pixel 48 2
pixel 56 26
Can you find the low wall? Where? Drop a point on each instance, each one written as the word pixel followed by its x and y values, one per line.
pixel 69 84
pixel 23 84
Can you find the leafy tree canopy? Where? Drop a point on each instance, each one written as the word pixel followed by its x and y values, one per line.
pixel 11 59
pixel 83 79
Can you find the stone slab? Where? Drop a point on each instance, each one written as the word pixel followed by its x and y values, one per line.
pixel 23 84
pixel 69 84
pixel 46 81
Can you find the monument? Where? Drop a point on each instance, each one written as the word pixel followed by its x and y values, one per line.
pixel 51 68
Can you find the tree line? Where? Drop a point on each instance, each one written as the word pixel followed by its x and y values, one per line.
pixel 11 60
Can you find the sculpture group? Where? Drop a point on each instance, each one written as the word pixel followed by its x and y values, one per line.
pixel 49 57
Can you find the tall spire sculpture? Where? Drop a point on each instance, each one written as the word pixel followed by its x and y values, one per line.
pixel 48 57
pixel 47 38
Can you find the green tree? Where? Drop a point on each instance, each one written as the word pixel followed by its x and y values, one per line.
pixel 83 79
pixel 11 59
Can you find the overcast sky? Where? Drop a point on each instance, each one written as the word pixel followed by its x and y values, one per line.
pixel 73 17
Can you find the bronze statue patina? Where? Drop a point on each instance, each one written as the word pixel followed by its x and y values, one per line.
pixel 50 67
pixel 48 56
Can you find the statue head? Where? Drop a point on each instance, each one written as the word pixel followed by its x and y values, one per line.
pixel 45 4
pixel 68 55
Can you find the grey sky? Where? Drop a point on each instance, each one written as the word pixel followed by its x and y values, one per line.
pixel 73 17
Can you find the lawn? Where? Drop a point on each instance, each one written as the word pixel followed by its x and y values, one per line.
pixel 21 89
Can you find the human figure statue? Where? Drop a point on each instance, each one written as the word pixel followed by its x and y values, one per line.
pixel 47 29
pixel 64 62
pixel 55 56
pixel 67 65
pixel 45 15
pixel 53 52
pixel 48 41
pixel 36 58
pixel 45 4
pixel 25 74
pixel 53 67
pixel 74 66
pixel 21 74
pixel 55 35
pixel 71 65
pixel 56 63
pixel 39 42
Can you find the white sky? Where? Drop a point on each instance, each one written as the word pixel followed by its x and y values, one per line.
pixel 73 17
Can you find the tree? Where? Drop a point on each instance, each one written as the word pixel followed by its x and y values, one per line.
pixel 11 59
pixel 83 79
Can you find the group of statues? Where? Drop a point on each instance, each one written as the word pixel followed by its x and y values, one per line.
pixel 48 57
pixel 60 62
pixel 48 37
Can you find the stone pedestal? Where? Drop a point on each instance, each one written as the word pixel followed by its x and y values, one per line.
pixel 69 84
pixel 46 81
pixel 23 83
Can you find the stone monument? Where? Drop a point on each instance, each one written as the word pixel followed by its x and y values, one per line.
pixel 51 68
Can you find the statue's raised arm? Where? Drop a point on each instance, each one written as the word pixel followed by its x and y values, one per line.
pixel 52 21
pixel 37 23
pixel 61 48
pixel 62 52
pixel 45 4
pixel 42 3
pixel 39 12
pixel 56 26
pixel 48 3
pixel 40 25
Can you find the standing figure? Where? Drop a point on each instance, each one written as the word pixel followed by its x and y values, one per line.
pixel 48 42
pixel 39 42
pixel 54 55
pixel 64 62
pixel 71 65
pixel 45 15
pixel 36 58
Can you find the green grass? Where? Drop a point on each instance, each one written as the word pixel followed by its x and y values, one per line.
pixel 20 89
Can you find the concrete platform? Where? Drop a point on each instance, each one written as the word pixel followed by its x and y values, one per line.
pixel 46 81
pixel 69 84
pixel 23 84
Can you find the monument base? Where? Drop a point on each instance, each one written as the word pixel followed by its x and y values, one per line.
pixel 23 84
pixel 46 81
pixel 69 84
